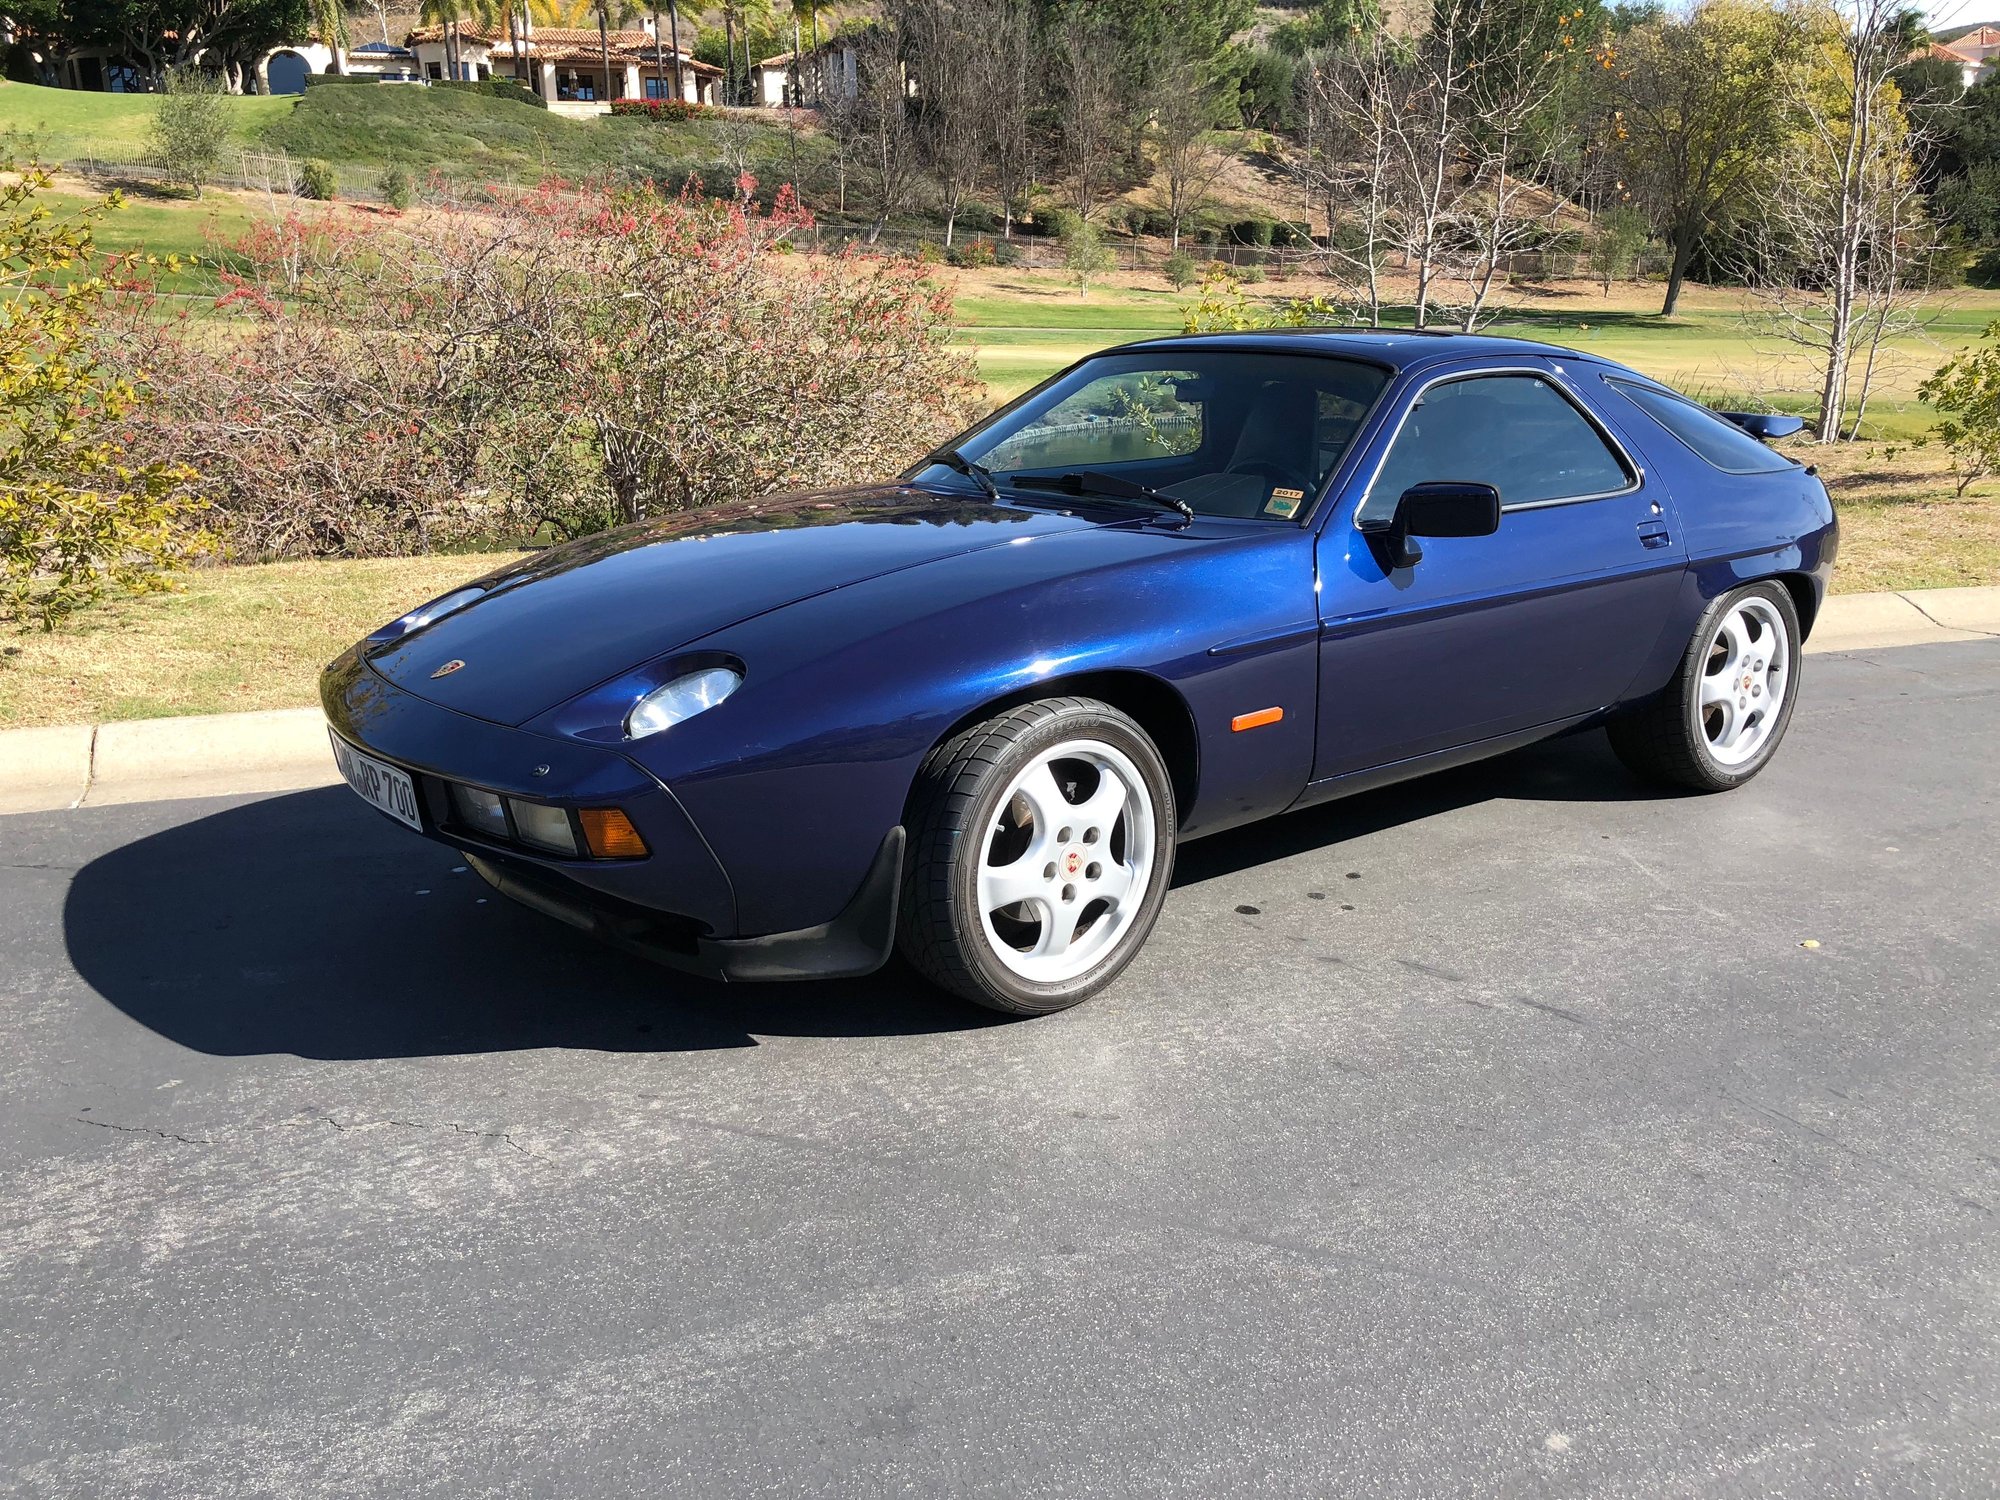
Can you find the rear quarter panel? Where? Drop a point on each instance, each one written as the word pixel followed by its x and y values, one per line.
pixel 1737 528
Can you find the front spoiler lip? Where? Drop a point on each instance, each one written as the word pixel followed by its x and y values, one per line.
pixel 857 941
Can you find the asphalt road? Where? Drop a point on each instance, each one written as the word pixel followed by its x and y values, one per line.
pixel 1517 1132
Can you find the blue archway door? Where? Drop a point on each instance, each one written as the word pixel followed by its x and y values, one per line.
pixel 287 71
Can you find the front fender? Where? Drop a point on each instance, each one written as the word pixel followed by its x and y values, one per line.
pixel 796 778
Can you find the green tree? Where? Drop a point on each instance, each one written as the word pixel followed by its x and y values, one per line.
pixel 189 128
pixel 224 36
pixel 1145 31
pixel 1615 242
pixel 78 516
pixel 1085 255
pixel 1700 119
pixel 1965 389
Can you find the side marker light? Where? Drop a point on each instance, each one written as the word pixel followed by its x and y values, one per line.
pixel 610 834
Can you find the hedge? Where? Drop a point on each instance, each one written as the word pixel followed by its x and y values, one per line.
pixel 663 110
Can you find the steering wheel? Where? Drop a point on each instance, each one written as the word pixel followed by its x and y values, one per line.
pixel 1278 474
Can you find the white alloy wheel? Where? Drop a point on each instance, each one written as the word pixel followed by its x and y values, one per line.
pixel 1718 720
pixel 1068 861
pixel 1745 677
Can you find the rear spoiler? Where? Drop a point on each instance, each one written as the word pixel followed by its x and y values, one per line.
pixel 1764 425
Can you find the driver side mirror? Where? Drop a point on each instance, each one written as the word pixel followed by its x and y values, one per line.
pixel 1437 508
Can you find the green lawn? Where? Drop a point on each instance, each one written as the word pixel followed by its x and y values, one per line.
pixel 359 127
pixel 59 125
pixel 164 226
pixel 474 138
pixel 1027 325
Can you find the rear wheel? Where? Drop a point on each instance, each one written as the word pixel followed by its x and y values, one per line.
pixel 1042 843
pixel 1720 720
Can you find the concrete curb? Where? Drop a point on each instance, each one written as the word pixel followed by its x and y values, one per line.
pixel 150 760
pixel 147 760
pixel 44 768
pixel 1917 617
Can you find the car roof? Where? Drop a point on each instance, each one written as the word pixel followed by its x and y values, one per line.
pixel 1403 349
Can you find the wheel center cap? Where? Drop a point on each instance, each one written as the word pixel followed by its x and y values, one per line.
pixel 1072 862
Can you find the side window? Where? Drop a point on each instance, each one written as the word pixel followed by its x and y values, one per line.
pixel 1514 432
pixel 1717 439
pixel 1116 419
pixel 1339 418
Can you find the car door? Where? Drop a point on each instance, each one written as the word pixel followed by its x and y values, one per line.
pixel 1489 636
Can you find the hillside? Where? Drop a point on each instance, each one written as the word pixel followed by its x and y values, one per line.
pixel 473 137
pixel 59 125
pixel 362 127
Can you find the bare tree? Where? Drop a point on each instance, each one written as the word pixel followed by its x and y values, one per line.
pixel 1516 155
pixel 883 143
pixel 1446 145
pixel 1346 143
pixel 1085 56
pixel 840 119
pixel 944 48
pixel 1430 117
pixel 1843 236
pixel 1189 151
pixel 1012 81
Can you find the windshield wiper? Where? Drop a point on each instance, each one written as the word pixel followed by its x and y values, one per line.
pixel 1093 482
pixel 951 458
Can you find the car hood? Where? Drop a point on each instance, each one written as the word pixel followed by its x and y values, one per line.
pixel 574 616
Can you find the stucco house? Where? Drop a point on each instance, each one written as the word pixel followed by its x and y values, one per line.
pixel 565 64
pixel 808 78
pixel 1975 54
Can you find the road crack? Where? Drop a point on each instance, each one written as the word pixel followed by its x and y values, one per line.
pixel 504 1137
pixel 1968 629
pixel 165 1135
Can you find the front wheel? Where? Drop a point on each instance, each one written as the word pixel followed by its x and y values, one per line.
pixel 1041 847
pixel 1720 720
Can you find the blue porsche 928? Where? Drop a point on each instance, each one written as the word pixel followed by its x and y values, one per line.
pixel 1186 583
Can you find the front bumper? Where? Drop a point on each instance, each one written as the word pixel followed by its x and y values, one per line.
pixel 676 906
pixel 855 942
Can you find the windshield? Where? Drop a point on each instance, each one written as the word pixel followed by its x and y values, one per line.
pixel 1229 434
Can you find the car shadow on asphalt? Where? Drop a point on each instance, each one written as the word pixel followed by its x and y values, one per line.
pixel 1575 768
pixel 304 924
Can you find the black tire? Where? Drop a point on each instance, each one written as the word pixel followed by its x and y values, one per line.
pixel 957 796
pixel 1662 739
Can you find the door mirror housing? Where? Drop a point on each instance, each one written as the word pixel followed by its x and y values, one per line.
pixel 1438 508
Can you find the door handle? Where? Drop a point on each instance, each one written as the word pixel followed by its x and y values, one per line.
pixel 1654 533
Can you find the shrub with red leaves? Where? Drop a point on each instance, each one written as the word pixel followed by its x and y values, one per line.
pixel 573 357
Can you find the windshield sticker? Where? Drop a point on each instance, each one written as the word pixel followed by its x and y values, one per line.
pixel 1283 502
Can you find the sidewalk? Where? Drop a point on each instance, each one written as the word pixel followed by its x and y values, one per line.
pixel 147 760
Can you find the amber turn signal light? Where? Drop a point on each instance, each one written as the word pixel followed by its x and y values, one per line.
pixel 1257 720
pixel 610 834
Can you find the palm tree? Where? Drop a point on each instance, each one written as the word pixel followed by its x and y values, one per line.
pixel 738 16
pixel 444 13
pixel 449 14
pixel 329 22
pixel 612 14
pixel 808 11
pixel 674 20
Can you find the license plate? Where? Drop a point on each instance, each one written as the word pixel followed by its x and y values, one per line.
pixel 377 783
